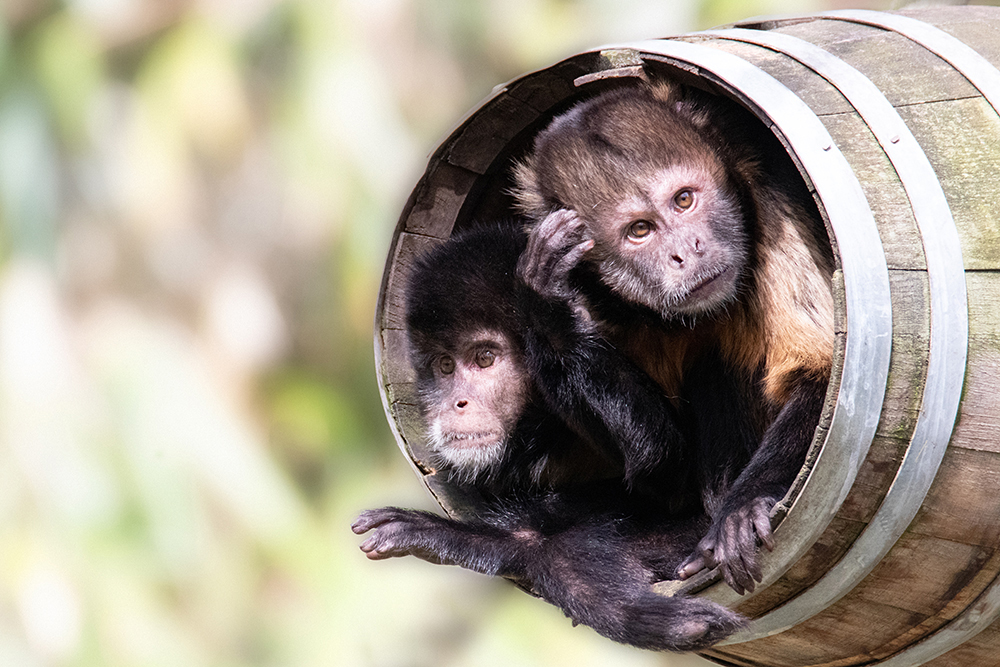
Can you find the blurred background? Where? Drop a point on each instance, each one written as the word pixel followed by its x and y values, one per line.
pixel 196 201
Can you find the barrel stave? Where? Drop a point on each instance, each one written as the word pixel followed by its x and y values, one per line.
pixel 962 140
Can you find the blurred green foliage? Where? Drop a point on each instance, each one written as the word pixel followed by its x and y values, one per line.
pixel 196 199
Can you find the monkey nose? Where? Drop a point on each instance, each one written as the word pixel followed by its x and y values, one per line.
pixel 677 260
pixel 461 403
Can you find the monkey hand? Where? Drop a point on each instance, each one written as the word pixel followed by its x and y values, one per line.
pixel 399 532
pixel 731 545
pixel 555 246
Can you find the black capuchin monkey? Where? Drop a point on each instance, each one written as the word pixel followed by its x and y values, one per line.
pixel 556 516
pixel 711 270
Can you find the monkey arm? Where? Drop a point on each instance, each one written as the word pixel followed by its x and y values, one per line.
pixel 602 394
pixel 743 517
pixel 480 547
pixel 583 378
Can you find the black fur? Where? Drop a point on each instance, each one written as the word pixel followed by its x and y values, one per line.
pixel 588 545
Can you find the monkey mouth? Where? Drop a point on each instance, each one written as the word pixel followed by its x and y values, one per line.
pixel 706 284
pixel 707 292
pixel 471 440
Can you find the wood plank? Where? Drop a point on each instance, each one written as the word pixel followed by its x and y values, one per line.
pixel 484 136
pixel 978 424
pixel 547 89
pixel 824 638
pixel 962 141
pixel 408 248
pixel 882 189
pixel 873 480
pixel 979 651
pixel 876 619
pixel 437 200
pixel 971 25
pixel 904 71
pixel 922 574
pixel 819 94
pixel 396 367
pixel 910 350
pixel 411 427
pixel 980 580
pixel 963 502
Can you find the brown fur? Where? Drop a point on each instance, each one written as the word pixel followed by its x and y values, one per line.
pixel 783 319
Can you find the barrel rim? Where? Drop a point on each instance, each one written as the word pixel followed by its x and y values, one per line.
pixel 864 363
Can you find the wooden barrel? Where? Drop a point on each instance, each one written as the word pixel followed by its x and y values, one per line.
pixel 890 551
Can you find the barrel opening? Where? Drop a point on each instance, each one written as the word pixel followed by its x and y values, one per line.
pixel 489 197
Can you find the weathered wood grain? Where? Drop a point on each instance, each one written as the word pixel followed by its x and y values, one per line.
pixel 481 138
pixel 885 194
pixel 437 200
pixel 904 71
pixel 814 641
pixel 407 249
pixel 962 141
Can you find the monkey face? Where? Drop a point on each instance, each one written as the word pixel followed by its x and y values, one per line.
pixel 676 243
pixel 472 396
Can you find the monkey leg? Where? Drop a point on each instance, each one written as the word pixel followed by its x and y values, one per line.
pixel 677 624
pixel 600 578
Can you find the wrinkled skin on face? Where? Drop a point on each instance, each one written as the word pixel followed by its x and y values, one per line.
pixel 675 242
pixel 478 392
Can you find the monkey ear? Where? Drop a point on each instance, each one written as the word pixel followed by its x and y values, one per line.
pixel 666 91
pixel 527 193
pixel 679 100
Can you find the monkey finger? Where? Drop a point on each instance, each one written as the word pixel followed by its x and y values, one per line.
pixel 554 224
pixel 730 573
pixel 371 544
pixel 572 258
pixel 731 580
pixel 691 567
pixel 762 524
pixel 562 229
pixel 748 553
pixel 735 573
pixel 371 519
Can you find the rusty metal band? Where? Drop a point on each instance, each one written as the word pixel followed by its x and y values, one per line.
pixel 949 331
pixel 867 297
pixel 982 74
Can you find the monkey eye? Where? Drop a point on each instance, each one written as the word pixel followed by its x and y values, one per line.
pixel 447 365
pixel 485 358
pixel 640 229
pixel 684 199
